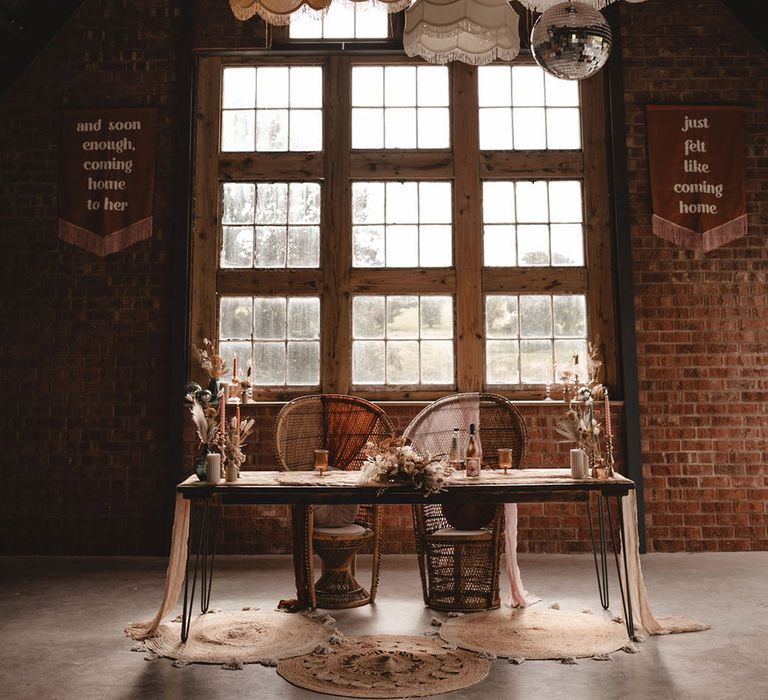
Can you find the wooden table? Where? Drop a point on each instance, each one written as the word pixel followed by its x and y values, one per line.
pixel 306 488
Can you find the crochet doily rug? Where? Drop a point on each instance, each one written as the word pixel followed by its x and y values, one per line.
pixel 383 666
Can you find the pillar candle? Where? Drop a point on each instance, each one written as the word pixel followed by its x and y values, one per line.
pixel 607 415
pixel 213 468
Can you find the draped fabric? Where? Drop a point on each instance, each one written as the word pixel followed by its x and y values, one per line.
pixel 279 12
pixel 174 574
pixel 347 427
pixel 517 597
pixel 641 608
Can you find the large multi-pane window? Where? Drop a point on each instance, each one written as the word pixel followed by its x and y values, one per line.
pixel 361 20
pixel 396 229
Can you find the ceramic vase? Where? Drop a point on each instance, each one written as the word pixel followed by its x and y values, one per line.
pixel 200 463
pixel 231 472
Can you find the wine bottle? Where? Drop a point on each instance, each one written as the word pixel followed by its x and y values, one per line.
pixel 474 453
pixel 455 458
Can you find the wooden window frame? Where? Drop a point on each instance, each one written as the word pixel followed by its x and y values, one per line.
pixel 336 281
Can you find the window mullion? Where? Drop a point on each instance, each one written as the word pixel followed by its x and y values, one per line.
pixel 336 228
pixel 467 222
pixel 204 309
pixel 597 222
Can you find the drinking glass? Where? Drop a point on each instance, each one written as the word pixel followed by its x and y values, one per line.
pixel 505 458
pixel 321 461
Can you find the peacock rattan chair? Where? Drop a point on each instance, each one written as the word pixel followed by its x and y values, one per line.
pixel 460 568
pixel 342 425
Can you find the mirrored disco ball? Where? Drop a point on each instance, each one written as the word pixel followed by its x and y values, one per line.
pixel 571 40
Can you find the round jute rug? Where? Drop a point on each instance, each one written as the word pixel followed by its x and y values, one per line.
pixel 247 636
pixel 535 633
pixel 386 667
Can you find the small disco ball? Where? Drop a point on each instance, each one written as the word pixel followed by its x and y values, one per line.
pixel 571 40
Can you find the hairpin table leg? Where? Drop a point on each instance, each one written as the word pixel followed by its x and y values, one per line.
pixel 626 598
pixel 209 550
pixel 198 512
pixel 601 569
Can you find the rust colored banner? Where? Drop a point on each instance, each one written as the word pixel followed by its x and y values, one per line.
pixel 696 158
pixel 106 177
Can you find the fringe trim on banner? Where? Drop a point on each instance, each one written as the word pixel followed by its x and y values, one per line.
pixel 105 245
pixel 700 242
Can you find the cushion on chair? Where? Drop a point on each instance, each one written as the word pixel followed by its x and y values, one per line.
pixel 335 515
pixel 343 531
pixel 470 515
pixel 450 532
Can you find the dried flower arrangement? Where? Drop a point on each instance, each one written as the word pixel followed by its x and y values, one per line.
pixel 394 462
pixel 232 441
pixel 579 424
pixel 206 420
pixel 246 388
pixel 210 360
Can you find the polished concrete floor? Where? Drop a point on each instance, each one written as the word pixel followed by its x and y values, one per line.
pixel 62 620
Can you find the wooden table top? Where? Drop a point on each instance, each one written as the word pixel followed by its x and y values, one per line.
pixel 346 487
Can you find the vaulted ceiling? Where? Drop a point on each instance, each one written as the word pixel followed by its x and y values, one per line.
pixel 27 25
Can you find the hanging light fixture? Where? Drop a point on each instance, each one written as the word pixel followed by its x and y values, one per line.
pixel 571 40
pixel 544 5
pixel 471 31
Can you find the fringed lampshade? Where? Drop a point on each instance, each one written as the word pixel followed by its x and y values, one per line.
pixel 471 31
pixel 544 5
pixel 280 11
pixel 571 40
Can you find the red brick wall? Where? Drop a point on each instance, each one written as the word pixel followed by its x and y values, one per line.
pixel 85 344
pixel 87 351
pixel 702 324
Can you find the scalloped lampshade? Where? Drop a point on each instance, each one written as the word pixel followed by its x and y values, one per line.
pixel 471 31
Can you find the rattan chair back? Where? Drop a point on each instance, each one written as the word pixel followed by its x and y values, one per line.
pixel 338 423
pixel 499 425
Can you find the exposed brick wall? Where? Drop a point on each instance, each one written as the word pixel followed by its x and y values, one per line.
pixel 85 341
pixel 87 350
pixel 702 324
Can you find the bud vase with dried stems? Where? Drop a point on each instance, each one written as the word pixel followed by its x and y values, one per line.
pixel 231 471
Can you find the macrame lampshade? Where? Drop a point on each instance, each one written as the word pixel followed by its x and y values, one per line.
pixel 471 31
pixel 571 40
